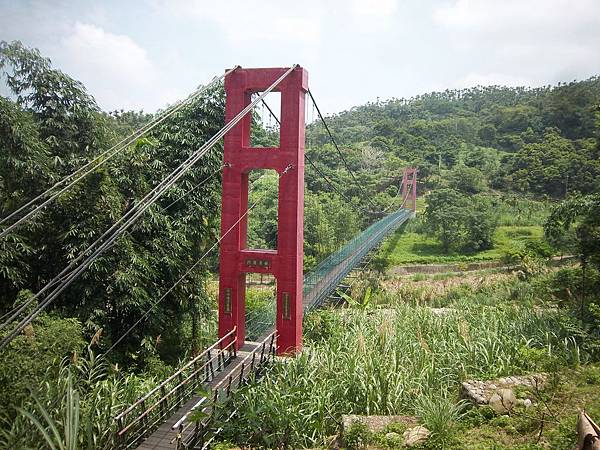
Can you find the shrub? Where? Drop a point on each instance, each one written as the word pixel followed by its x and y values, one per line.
pixel 357 436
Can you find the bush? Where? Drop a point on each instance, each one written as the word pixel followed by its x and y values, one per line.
pixel 33 357
pixel 469 180
pixel 357 436
pixel 460 222
pixel 439 413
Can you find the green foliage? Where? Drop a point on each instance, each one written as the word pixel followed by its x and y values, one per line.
pixel 469 180
pixel 460 222
pixel 363 302
pixel 413 248
pixel 328 224
pixel 260 310
pixel 439 413
pixel 69 438
pixel 72 407
pixel 357 436
pixel 33 357
pixel 579 290
pixel 389 358
pixel 52 127
pixel 262 220
pixel 443 216
pixel 584 213
pixel 541 140
pixel 556 165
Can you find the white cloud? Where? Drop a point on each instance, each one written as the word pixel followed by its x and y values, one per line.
pixel 375 8
pixel 148 53
pixel 516 15
pixel 373 15
pixel 523 41
pixel 115 69
pixel 247 21
pixel 490 79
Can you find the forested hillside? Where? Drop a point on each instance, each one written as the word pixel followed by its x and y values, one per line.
pixel 527 140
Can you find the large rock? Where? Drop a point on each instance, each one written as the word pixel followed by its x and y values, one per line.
pixel 503 401
pixel 377 424
pixel 480 392
pixel 416 435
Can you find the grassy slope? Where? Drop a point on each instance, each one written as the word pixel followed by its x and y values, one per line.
pixel 554 414
pixel 576 389
pixel 520 220
pixel 414 248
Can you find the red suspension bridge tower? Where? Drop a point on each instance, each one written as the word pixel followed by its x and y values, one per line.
pixel 236 259
pixel 409 188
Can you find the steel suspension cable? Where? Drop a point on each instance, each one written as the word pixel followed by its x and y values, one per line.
pixel 58 278
pixel 115 231
pixel 331 184
pixel 325 177
pixel 132 214
pixel 367 196
pixel 200 184
pixel 92 165
pixel 185 275
pixel 152 197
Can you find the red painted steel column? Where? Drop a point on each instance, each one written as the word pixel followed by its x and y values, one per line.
pixel 285 262
pixel 409 187
pixel 414 190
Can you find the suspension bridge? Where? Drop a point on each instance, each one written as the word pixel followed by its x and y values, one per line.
pixel 187 410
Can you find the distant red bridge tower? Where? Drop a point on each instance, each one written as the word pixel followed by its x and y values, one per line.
pixel 409 188
pixel 236 259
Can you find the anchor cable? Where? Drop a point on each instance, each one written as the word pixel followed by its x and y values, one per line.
pixel 92 165
pixel 152 196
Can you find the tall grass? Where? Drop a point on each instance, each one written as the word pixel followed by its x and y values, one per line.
pixel 401 360
pixel 73 410
pixel 522 211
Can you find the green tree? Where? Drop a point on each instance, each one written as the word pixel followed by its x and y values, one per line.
pixel 53 127
pixel 469 180
pixel 582 213
pixel 444 216
pixel 460 222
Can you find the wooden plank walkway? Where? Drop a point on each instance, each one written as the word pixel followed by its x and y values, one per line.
pixel 165 437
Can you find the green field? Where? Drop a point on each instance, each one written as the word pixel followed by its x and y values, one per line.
pixel 415 248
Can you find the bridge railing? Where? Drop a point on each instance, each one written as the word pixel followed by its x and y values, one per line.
pixel 152 409
pixel 324 275
pixel 201 432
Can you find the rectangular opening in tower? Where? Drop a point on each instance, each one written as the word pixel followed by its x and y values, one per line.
pixel 262 205
pixel 265 129
pixel 261 305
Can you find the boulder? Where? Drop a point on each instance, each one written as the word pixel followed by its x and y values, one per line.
pixel 503 401
pixel 377 424
pixel 480 392
pixel 415 436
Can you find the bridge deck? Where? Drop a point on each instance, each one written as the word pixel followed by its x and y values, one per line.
pixel 165 437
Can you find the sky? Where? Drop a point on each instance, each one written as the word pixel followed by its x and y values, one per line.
pixel 146 54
